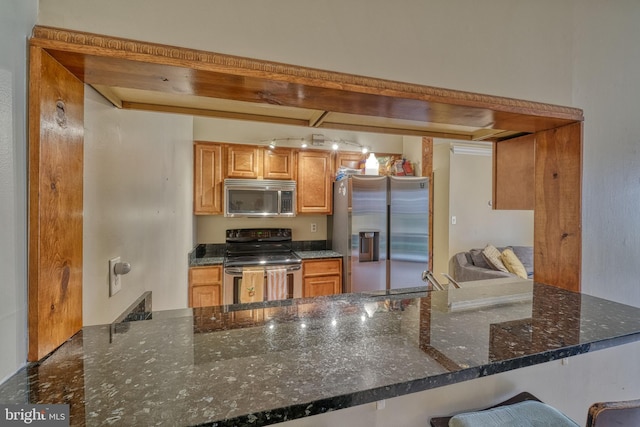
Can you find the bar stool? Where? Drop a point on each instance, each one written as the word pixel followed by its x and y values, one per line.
pixel 609 414
pixel 524 408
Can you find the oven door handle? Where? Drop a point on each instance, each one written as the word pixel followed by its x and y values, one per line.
pixel 238 270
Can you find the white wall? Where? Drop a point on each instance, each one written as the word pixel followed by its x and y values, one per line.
pixel 16 20
pixel 517 48
pixel 606 69
pixel 477 223
pixel 138 204
pixel 441 173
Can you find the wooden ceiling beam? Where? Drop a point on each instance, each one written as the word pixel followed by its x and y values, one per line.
pixel 112 61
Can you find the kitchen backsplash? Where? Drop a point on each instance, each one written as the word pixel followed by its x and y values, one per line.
pixel 210 250
pixel 212 228
pixel 309 245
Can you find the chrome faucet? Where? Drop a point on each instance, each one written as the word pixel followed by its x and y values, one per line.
pixel 427 276
pixel 451 281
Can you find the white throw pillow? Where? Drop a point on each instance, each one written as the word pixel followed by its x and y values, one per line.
pixel 493 257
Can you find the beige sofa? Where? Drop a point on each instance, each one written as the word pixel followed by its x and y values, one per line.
pixel 471 265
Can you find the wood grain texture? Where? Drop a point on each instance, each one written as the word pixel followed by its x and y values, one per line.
pixel 205 286
pixel 207 180
pixel 513 173
pixel 321 277
pixel 558 207
pixel 243 161
pixel 111 61
pixel 314 182
pixel 278 163
pixel 427 170
pixel 56 98
pixel 349 160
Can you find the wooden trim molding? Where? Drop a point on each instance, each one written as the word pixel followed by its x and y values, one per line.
pixel 88 43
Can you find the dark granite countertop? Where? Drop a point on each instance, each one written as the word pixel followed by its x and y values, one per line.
pixel 213 254
pixel 264 363
pixel 318 254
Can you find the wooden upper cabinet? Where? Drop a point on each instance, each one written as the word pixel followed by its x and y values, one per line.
pixel 207 182
pixel 314 182
pixel 278 163
pixel 353 160
pixel 243 161
pixel 514 173
pixel 349 160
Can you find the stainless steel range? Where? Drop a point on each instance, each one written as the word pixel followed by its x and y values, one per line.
pixel 259 265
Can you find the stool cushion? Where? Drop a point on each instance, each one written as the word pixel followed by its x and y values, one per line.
pixel 524 414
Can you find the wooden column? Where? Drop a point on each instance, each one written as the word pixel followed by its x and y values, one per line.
pixel 558 207
pixel 56 136
pixel 427 170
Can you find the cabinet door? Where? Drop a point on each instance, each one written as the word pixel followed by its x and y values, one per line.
pixel 513 173
pixel 349 160
pixel 205 286
pixel 321 285
pixel 207 181
pixel 314 182
pixel 205 296
pixel 278 164
pixel 322 277
pixel 243 162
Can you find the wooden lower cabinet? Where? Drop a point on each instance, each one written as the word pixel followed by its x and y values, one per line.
pixel 205 286
pixel 321 277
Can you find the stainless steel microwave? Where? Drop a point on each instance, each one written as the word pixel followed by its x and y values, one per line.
pixel 259 198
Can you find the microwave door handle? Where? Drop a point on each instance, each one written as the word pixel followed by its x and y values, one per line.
pixel 279 207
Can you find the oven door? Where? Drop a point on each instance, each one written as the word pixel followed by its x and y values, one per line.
pixel 232 283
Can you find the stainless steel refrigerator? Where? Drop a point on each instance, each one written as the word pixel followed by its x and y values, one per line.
pixel 381 226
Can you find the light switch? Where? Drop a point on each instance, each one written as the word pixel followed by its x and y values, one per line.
pixel 453 220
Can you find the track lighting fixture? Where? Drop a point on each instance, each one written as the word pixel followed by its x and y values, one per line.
pixel 317 140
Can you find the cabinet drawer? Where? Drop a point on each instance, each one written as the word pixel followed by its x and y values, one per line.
pixel 205 275
pixel 322 267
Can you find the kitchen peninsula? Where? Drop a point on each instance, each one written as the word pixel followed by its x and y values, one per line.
pixel 263 363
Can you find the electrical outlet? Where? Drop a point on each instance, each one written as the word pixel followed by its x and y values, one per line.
pixel 115 280
pixel 314 227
